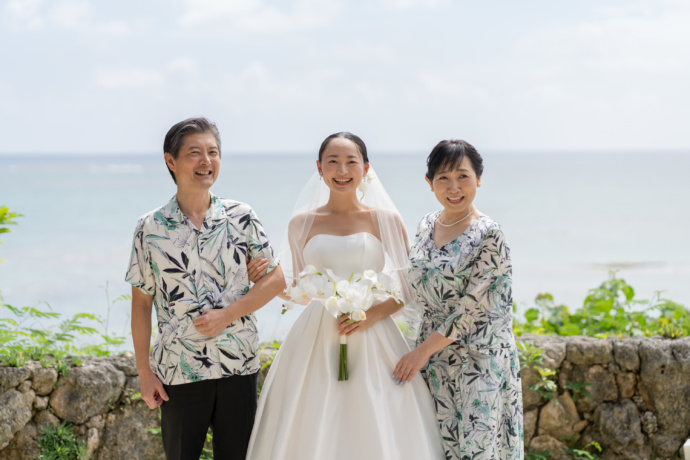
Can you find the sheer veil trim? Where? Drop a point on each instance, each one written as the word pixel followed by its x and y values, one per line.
pixel 387 222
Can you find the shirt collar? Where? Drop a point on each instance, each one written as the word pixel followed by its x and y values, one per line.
pixel 173 216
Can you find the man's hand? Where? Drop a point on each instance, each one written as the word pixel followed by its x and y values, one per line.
pixel 152 391
pixel 256 268
pixel 213 322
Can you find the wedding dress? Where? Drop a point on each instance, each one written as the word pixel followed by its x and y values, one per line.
pixel 305 413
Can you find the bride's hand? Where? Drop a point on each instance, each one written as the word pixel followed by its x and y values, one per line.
pixel 348 327
pixel 256 269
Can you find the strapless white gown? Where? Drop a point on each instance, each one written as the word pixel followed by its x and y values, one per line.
pixel 305 413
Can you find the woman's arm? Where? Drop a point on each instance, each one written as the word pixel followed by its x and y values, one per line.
pixel 490 271
pixel 414 361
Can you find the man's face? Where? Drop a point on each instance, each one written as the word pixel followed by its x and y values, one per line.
pixel 198 162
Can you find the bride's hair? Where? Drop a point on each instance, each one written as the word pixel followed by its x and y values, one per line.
pixel 349 136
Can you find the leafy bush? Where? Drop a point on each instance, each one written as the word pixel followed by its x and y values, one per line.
pixel 60 443
pixel 22 339
pixel 609 310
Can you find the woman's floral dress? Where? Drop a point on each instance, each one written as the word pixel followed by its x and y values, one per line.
pixel 465 291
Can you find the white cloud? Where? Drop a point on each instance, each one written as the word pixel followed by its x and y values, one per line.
pixel 183 65
pixel 228 16
pixel 405 4
pixel 258 85
pixel 26 12
pixel 114 29
pixel 71 14
pixel 131 78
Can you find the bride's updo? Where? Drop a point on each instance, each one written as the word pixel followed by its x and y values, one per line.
pixel 349 136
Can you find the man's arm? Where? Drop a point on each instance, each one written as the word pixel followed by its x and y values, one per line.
pixel 213 322
pixel 152 391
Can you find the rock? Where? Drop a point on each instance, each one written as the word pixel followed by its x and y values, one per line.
pixel 618 426
pixel 88 391
pixel 131 388
pixel 96 422
pixel 545 443
pixel 564 373
pixel 14 414
pixel 665 446
pixel 125 362
pixel 559 418
pixel 29 397
pixel 602 386
pixel 640 402
pixel 46 418
pixel 649 423
pixel 126 434
pixel 41 403
pixel 24 446
pixel 586 351
pixel 626 385
pixel 93 440
pixel 625 354
pixel 665 386
pixel 553 346
pixel 529 423
pixel 24 386
pixel 43 380
pixel 11 377
pixel 530 399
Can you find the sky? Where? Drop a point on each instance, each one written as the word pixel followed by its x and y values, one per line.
pixel 80 76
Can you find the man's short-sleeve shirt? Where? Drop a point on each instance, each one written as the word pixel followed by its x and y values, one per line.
pixel 187 271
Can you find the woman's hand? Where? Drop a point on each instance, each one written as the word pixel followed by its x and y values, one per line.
pixel 256 269
pixel 348 327
pixel 409 365
pixel 414 361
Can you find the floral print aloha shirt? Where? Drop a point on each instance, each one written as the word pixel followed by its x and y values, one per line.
pixel 465 290
pixel 187 271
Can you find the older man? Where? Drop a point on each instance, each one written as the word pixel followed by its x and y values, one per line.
pixel 189 259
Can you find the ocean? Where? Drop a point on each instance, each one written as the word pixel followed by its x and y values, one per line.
pixel 568 217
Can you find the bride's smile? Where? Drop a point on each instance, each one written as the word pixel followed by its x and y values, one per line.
pixel 342 166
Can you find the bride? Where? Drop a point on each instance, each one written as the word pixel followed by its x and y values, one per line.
pixel 304 412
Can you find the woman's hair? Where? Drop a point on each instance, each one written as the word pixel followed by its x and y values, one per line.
pixel 349 136
pixel 174 139
pixel 448 154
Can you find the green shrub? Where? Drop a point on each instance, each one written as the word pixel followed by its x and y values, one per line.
pixel 60 443
pixel 609 310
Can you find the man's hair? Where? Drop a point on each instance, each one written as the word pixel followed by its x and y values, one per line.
pixel 175 138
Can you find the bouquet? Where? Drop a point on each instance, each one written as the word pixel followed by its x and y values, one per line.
pixel 350 297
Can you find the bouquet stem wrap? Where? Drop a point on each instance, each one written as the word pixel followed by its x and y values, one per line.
pixel 342 370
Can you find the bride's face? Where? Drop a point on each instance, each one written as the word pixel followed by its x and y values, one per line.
pixel 342 166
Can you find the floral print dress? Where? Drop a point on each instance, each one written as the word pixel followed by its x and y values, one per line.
pixel 464 288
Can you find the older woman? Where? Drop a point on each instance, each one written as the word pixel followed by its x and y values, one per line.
pixel 461 272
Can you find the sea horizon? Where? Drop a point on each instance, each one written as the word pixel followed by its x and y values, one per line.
pixel 568 217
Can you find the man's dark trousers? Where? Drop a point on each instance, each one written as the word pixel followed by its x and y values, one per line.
pixel 227 405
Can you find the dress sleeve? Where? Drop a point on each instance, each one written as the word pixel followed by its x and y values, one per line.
pixel 257 242
pixel 141 271
pixel 488 290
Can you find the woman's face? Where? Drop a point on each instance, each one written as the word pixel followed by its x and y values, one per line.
pixel 455 189
pixel 342 166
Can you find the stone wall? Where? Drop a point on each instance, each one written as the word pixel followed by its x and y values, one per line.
pixel 639 406
pixel 95 399
pixel 640 397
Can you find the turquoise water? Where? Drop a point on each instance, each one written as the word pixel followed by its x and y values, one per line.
pixel 568 218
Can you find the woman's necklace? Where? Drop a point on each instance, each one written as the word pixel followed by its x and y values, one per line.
pixel 438 220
